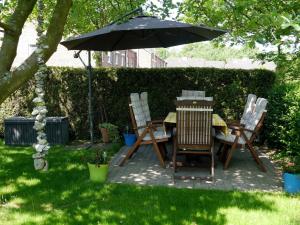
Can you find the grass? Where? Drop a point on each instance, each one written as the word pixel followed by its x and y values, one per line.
pixel 64 195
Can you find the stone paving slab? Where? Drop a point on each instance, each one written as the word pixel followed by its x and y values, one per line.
pixel 243 173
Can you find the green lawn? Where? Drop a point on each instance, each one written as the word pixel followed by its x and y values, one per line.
pixel 64 195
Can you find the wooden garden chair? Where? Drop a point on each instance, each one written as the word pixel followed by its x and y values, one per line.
pixel 244 134
pixel 147 132
pixel 194 131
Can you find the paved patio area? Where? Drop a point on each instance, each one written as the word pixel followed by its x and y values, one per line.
pixel 243 173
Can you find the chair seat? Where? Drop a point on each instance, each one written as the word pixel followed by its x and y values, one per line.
pixel 229 138
pixel 158 134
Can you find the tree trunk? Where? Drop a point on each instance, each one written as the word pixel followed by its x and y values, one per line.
pixel 13 29
pixel 10 81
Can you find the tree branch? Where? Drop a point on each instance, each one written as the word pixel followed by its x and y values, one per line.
pixel 6 27
pixel 13 80
pixel 10 42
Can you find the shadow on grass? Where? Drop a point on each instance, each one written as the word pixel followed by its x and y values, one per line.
pixel 64 195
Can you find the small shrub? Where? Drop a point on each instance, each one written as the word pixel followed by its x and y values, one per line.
pixel 292 165
pixel 112 130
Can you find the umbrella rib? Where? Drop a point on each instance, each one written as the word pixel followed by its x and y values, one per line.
pixel 197 35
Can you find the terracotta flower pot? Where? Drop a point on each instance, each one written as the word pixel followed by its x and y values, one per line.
pixel 105 135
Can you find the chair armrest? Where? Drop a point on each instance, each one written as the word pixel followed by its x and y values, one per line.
pixel 252 131
pixel 155 121
pixel 233 122
pixel 236 127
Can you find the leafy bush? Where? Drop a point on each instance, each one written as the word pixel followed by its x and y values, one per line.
pixel 283 121
pixel 67 88
pixel 112 130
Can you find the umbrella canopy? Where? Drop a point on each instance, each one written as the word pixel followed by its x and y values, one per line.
pixel 142 32
pixel 138 32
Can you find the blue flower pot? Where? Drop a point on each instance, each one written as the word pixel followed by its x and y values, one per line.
pixel 130 139
pixel 291 183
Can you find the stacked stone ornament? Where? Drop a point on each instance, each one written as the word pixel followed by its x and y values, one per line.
pixel 40 110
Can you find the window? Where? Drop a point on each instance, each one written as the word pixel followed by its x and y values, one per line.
pixel 109 57
pixel 117 58
pixel 123 59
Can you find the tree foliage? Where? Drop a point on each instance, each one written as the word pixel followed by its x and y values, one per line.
pixel 270 23
pixel 84 16
pixel 274 24
pixel 87 16
pixel 209 51
pixel 12 19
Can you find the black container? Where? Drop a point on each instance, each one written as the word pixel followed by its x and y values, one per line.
pixel 19 131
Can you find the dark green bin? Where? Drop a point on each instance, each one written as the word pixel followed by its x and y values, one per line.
pixel 19 131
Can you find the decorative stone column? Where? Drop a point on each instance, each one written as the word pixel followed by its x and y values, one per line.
pixel 40 110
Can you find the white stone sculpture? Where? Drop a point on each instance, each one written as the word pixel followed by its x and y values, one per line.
pixel 40 110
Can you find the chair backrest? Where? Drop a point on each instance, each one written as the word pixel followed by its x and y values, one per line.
pixel 249 108
pixel 255 122
pixel 260 108
pixel 192 93
pixel 145 106
pixel 195 98
pixel 194 124
pixel 136 112
pixel 139 111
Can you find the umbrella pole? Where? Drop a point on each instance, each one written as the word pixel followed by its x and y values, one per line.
pixel 89 67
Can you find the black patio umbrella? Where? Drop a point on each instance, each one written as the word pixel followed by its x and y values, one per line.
pixel 138 32
pixel 142 32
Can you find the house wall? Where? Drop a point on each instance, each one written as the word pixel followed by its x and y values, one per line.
pixel 143 58
pixel 125 58
pixel 61 57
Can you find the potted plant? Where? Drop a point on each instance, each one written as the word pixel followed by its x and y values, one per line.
pixel 109 132
pixel 98 166
pixel 291 175
pixel 130 138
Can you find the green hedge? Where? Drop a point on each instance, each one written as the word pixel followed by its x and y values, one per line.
pixel 66 92
pixel 283 121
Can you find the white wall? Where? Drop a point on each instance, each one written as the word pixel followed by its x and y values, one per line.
pixel 143 58
pixel 62 57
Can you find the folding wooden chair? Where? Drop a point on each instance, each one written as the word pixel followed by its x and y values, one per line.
pixel 194 131
pixel 147 132
pixel 244 134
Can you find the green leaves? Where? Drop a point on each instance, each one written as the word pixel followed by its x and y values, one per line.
pixel 209 51
pixel 90 15
pixel 269 22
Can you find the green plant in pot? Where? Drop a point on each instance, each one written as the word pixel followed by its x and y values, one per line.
pixel 98 166
pixel 109 132
pixel 291 175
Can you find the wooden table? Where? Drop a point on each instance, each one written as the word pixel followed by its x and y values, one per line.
pixel 216 122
